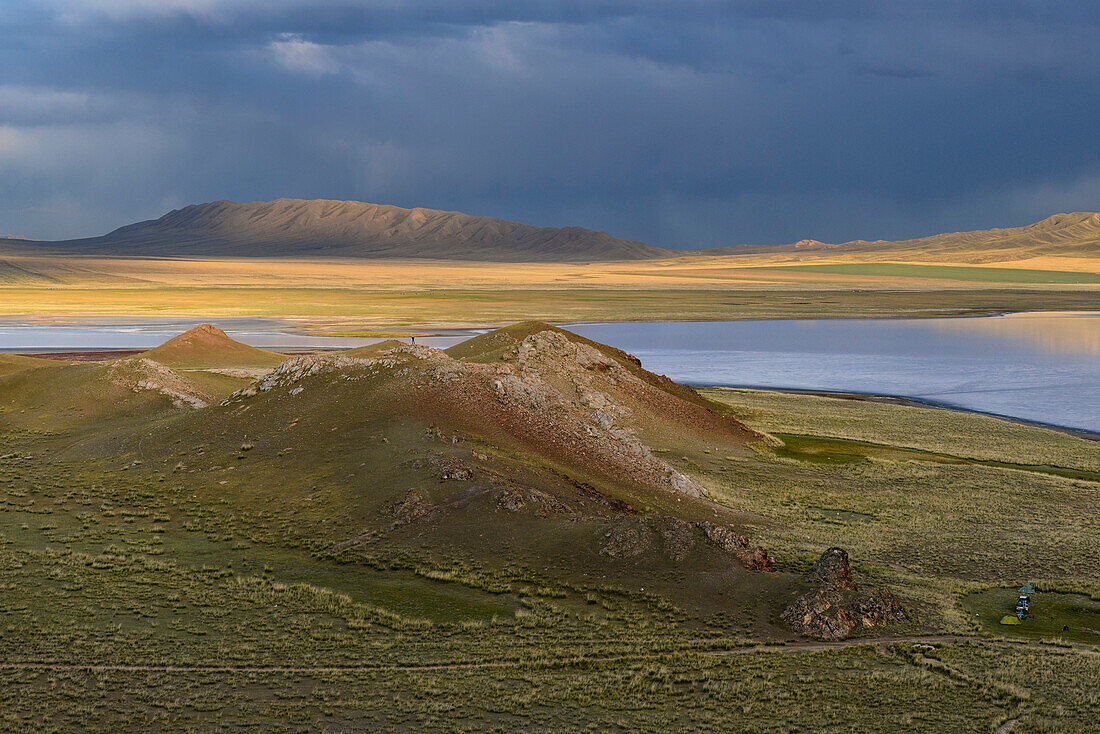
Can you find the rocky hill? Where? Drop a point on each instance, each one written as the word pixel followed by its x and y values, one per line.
pixel 533 389
pixel 325 228
pixel 528 446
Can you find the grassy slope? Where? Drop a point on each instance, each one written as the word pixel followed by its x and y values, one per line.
pixel 108 561
pixel 963 434
pixel 11 363
pixel 942 526
pixel 55 397
pixel 1076 233
pixel 62 397
pixel 1069 236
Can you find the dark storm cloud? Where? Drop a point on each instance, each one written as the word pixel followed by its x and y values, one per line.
pixel 683 124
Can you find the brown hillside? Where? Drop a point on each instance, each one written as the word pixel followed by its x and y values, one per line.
pixel 208 347
pixel 596 415
pixel 325 228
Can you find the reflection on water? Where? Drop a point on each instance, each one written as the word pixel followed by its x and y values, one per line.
pixel 1026 369
pixel 1067 333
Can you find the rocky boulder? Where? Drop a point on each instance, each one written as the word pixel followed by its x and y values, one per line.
pixel 839 606
pixel 626 539
pixel 832 571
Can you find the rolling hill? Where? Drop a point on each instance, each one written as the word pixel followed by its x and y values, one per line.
pixel 193 370
pixel 384 539
pixel 1068 235
pixel 10 363
pixel 325 228
pixel 208 347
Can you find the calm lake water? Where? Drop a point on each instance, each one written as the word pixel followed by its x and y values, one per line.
pixel 148 333
pixel 1039 367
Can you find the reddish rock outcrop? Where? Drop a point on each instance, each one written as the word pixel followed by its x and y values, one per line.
pixel 840 605
pixel 832 571
pixel 754 558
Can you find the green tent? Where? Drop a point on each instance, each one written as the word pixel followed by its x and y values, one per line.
pixel 1010 619
pixel 1027 589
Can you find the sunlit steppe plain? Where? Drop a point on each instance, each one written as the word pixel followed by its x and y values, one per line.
pixel 341 294
pixel 1049 265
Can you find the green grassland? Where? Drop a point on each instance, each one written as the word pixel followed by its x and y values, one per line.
pixel 167 570
pixel 949 272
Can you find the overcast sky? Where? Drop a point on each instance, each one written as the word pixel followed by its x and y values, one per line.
pixel 682 124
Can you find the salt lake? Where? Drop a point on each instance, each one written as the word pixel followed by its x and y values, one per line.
pixel 1041 367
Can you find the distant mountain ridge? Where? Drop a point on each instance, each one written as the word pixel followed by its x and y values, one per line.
pixel 323 228
pixel 1072 234
pixel 326 228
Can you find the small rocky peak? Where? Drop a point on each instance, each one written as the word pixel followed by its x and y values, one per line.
pixel 832 571
pixel 207 330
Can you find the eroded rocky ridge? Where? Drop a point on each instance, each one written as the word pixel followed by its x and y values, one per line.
pixel 142 373
pixel 561 397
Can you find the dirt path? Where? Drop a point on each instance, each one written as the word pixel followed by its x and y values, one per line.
pixel 817 646
pixel 789 648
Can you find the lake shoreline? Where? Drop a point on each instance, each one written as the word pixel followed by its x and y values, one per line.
pixel 911 402
pixel 762 353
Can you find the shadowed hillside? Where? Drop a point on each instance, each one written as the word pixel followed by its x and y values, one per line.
pixel 325 228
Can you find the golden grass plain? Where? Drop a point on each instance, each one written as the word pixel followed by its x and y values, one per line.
pixel 342 294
